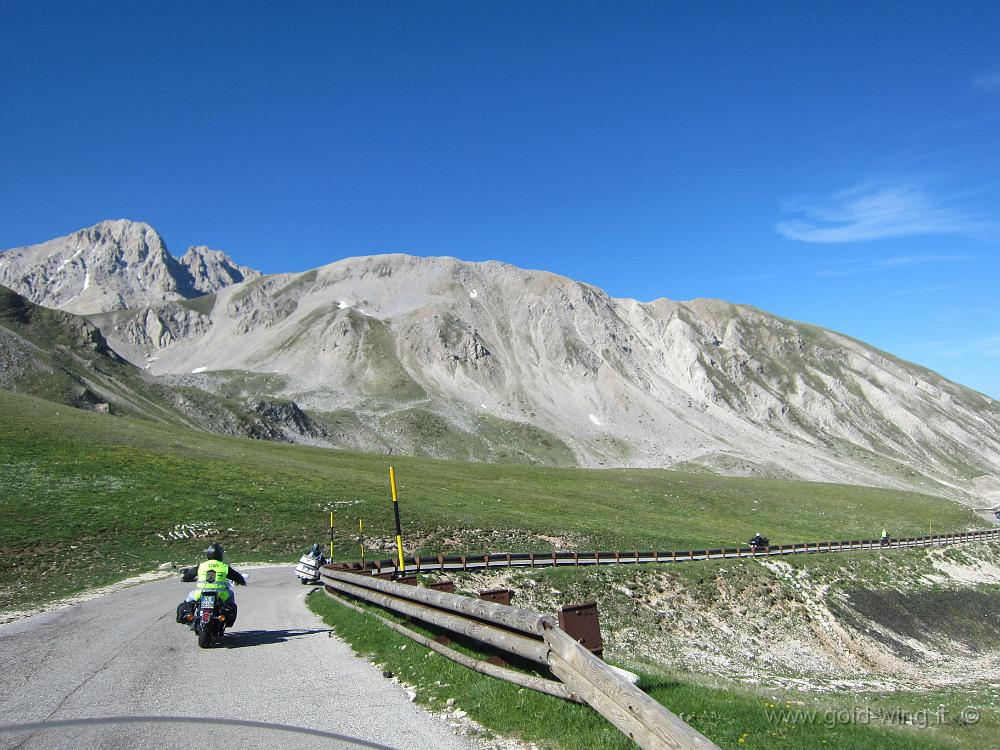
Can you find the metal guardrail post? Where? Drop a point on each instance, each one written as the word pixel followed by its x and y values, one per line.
pixel 497 596
pixel 582 624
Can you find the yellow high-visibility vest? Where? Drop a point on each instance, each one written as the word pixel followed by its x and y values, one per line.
pixel 213 576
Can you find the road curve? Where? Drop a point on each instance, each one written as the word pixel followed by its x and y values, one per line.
pixel 118 672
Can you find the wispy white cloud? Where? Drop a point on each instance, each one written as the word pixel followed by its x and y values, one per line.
pixel 982 347
pixel 925 289
pixel 875 265
pixel 865 212
pixel 987 82
pixel 759 277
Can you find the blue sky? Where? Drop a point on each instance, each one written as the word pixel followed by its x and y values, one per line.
pixel 837 163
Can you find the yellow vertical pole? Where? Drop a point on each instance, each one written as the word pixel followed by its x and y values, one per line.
pixel 331 535
pixel 399 530
pixel 361 541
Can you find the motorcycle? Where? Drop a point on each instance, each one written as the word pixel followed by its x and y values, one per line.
pixel 759 544
pixel 210 618
pixel 307 571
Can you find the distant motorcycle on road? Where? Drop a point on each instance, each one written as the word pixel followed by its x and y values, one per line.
pixel 307 570
pixel 758 543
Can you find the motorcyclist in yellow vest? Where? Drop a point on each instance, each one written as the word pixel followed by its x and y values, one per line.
pixel 215 575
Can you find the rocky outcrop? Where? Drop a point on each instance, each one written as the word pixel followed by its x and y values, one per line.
pixel 211 270
pixel 139 334
pixel 285 416
pixel 471 349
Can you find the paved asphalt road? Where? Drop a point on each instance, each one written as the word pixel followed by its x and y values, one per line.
pixel 123 656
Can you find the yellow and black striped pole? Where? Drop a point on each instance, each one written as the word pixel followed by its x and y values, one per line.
pixel 331 536
pixel 399 530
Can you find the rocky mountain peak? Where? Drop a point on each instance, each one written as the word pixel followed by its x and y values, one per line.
pixel 130 236
pixel 211 270
pixel 114 265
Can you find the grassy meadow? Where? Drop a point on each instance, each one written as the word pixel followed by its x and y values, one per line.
pixel 88 498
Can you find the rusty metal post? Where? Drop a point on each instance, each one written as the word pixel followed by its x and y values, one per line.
pixel 581 623
pixel 449 588
pixel 497 596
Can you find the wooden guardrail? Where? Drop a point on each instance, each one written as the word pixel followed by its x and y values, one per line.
pixel 444 563
pixel 582 676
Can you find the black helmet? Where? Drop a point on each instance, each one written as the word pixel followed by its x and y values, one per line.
pixel 214 551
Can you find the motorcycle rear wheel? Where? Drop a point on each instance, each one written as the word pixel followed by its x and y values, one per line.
pixel 204 638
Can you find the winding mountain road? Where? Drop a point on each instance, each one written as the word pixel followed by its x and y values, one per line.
pixel 118 672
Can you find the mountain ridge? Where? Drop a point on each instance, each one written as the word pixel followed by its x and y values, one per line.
pixel 427 355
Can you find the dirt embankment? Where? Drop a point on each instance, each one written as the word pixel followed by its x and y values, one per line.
pixel 912 619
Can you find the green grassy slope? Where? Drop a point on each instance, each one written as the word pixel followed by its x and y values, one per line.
pixel 63 358
pixel 89 498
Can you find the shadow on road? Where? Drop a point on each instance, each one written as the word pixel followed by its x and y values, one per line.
pixel 244 638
